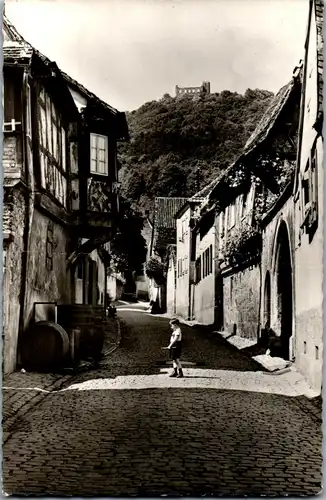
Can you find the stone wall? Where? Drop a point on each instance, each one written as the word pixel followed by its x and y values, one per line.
pixel 14 224
pixel 12 159
pixel 241 302
pixel 44 284
pixel 269 265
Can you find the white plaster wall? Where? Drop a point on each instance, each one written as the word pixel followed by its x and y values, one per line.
pixel 309 254
pixel 100 276
pixel 111 287
pixel 170 288
pixel 205 290
pixel 183 251
pixel 309 293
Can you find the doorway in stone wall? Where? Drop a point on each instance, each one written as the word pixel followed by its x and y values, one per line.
pixel 284 289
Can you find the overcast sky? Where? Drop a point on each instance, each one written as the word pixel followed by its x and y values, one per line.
pixel 132 51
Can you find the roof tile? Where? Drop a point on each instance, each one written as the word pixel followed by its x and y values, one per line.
pixel 165 210
pixel 17 51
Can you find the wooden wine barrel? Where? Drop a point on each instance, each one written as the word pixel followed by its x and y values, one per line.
pixel 44 347
pixel 90 320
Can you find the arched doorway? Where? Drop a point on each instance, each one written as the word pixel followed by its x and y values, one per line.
pixel 284 289
pixel 267 301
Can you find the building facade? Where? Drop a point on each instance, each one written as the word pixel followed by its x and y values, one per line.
pixel 60 200
pixel 239 252
pixel 205 88
pixel 183 263
pixel 171 282
pixel 141 280
pixel 278 272
pixel 203 290
pixel 308 205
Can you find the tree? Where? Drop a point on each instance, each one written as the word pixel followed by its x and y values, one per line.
pixel 128 247
pixel 178 145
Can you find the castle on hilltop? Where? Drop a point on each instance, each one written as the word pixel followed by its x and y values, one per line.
pixel 205 88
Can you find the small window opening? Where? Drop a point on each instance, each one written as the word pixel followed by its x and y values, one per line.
pixel 316 352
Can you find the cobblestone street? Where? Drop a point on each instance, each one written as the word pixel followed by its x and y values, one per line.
pixel 128 429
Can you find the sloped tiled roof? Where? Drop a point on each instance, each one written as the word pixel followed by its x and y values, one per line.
pixel 18 48
pixel 17 51
pixel 261 133
pixel 206 191
pixel 11 31
pixel 319 14
pixel 165 210
pixel 269 117
pixel 15 48
pixel 165 224
pixel 87 93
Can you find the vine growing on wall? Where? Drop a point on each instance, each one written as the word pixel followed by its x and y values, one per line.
pixel 243 244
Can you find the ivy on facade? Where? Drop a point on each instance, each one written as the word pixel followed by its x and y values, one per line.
pixel 243 244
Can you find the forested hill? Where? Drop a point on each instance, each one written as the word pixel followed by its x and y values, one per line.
pixel 177 145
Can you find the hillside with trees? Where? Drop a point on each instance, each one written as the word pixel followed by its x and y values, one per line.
pixel 178 145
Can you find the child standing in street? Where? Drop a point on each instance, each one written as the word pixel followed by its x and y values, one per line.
pixel 175 348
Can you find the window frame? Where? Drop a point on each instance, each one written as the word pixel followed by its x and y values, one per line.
pixel 309 193
pixel 12 103
pixel 50 124
pixel 198 270
pixel 98 161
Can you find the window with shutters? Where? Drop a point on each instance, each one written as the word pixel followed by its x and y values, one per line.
pixel 186 265
pixel 309 194
pixel 210 259
pixel 207 262
pixel 222 224
pixel 198 270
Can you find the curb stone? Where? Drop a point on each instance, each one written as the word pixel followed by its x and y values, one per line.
pixel 313 407
pixel 118 341
pixel 305 404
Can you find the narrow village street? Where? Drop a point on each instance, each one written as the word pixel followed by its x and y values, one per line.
pixel 128 429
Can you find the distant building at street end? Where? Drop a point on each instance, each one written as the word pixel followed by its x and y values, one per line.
pixel 205 88
pixel 163 240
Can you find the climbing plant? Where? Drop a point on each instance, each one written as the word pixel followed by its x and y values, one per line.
pixel 155 269
pixel 243 244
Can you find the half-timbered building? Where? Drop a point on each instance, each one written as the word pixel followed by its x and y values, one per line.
pixel 60 190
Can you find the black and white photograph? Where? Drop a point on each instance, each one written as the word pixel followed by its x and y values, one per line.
pixel 162 221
